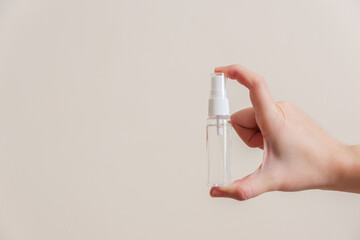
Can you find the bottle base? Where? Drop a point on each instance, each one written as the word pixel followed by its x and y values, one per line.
pixel 216 184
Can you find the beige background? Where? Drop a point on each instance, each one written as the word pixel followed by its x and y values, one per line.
pixel 104 104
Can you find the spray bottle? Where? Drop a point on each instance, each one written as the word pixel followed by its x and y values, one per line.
pixel 218 133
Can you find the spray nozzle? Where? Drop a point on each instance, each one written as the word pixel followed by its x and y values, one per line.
pixel 218 85
pixel 219 101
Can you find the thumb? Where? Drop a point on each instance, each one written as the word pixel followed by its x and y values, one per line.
pixel 248 187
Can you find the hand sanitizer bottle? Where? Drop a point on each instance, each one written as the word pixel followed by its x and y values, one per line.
pixel 218 133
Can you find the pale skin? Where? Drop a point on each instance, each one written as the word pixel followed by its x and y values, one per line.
pixel 298 154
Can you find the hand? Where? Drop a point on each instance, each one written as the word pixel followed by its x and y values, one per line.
pixel 298 153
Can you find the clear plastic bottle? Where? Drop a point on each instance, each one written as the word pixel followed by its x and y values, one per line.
pixel 218 133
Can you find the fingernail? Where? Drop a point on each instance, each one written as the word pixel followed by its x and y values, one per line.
pixel 217 69
pixel 216 193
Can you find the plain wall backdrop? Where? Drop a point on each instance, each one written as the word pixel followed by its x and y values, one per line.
pixel 103 106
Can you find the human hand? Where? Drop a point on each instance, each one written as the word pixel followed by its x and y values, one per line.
pixel 298 153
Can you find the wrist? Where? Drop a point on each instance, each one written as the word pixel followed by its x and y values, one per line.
pixel 345 173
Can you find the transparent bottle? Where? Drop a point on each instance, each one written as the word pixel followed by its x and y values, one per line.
pixel 218 133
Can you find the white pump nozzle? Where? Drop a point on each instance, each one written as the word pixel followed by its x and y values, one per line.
pixel 218 101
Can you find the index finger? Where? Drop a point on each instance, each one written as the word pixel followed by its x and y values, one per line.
pixel 259 93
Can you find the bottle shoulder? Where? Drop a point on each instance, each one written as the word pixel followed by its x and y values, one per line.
pixel 219 120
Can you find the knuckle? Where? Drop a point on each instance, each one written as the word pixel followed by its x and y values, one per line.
pixel 243 193
pixel 258 81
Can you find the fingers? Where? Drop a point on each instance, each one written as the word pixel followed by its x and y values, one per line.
pixel 260 95
pixel 249 187
pixel 245 125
